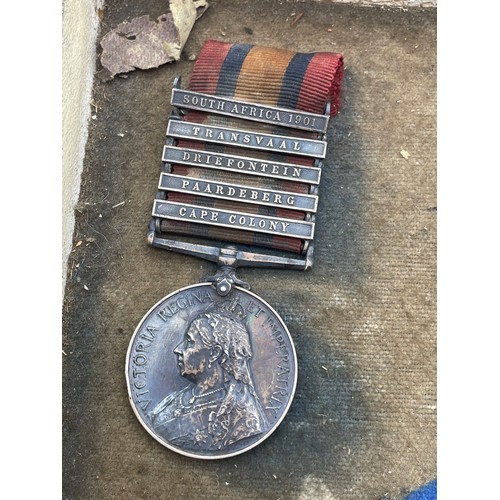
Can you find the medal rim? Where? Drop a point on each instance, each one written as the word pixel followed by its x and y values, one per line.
pixel 164 442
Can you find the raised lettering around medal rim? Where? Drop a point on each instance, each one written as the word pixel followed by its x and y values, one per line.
pixel 178 380
pixel 250 111
pixel 247 139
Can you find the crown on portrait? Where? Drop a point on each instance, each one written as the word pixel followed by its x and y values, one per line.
pixel 232 309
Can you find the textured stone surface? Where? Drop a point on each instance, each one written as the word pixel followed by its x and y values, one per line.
pixel 364 427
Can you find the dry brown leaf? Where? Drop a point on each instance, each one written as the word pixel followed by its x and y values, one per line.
pixel 143 44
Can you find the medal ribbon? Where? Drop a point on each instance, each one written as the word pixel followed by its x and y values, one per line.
pixel 260 75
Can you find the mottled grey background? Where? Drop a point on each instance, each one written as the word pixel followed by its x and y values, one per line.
pixel 363 423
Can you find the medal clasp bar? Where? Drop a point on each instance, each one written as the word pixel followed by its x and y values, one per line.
pixel 249 111
pixel 258 221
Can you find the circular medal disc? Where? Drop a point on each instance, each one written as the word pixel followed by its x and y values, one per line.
pixel 209 376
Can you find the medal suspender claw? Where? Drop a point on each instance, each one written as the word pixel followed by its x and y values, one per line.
pixel 211 369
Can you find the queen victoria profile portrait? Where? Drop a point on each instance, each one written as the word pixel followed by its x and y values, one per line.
pixel 219 406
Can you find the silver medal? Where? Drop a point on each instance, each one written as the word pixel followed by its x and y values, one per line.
pixel 211 369
pixel 211 376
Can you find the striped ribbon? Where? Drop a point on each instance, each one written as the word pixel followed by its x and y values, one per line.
pixel 261 75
